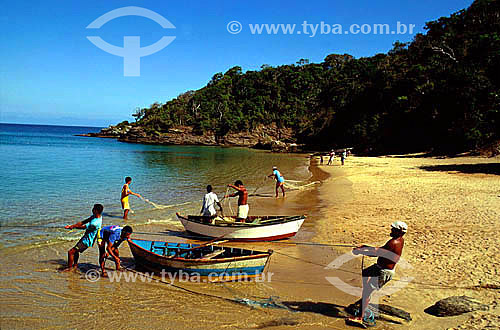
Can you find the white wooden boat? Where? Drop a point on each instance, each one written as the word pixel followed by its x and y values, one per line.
pixel 255 228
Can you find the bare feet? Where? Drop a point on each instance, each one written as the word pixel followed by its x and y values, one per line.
pixel 356 321
pixel 68 269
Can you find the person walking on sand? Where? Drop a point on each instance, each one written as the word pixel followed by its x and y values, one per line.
pixel 332 157
pixel 343 155
pixel 209 201
pixel 110 238
pixel 280 180
pixel 377 275
pixel 92 225
pixel 124 197
pixel 242 194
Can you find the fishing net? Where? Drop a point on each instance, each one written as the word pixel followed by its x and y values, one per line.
pixel 299 185
pixel 271 302
pixel 159 206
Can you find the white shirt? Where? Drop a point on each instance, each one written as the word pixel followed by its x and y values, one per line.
pixel 209 204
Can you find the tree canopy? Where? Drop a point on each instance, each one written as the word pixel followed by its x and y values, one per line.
pixel 440 92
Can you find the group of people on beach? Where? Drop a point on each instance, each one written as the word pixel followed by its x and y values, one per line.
pixel 210 199
pixel 331 154
pixel 109 239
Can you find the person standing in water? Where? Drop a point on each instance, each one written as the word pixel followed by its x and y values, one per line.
pixel 124 197
pixel 242 194
pixel 280 180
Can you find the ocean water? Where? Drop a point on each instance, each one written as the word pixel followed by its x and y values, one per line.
pixel 51 178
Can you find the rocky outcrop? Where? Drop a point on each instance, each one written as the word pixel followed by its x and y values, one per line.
pixel 263 137
pixel 110 132
pixel 180 135
pixel 455 305
pixel 278 146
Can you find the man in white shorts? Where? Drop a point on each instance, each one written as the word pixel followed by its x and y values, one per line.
pixel 242 194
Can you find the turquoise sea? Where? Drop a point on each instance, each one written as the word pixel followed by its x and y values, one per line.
pixel 51 178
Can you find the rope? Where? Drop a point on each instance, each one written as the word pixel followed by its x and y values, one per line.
pixel 270 242
pixel 160 207
pixel 228 202
pixel 31 226
pixel 267 303
pixel 430 285
pixel 261 185
pixel 182 288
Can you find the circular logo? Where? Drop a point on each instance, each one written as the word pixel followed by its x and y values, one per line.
pixel 356 291
pixel 234 27
pixel 92 275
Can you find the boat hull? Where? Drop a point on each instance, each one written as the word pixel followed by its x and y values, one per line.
pixel 148 254
pixel 249 233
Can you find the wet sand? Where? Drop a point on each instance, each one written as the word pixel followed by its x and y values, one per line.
pixel 34 294
pixel 355 204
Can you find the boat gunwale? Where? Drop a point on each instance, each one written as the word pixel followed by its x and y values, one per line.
pixel 245 225
pixel 207 261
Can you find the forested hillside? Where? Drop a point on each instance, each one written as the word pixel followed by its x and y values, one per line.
pixel 440 92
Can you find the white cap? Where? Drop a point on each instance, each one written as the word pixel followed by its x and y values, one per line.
pixel 400 225
pixel 275 167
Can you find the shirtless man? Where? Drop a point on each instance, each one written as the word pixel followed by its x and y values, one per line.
pixel 124 197
pixel 242 194
pixel 377 275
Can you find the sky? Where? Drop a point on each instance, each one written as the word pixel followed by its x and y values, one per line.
pixel 50 73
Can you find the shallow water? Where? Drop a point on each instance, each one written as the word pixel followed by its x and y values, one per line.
pixel 52 178
pixel 34 294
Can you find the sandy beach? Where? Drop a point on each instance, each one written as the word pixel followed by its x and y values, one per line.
pixel 452 208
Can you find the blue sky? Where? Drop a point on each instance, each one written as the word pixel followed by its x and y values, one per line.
pixel 51 74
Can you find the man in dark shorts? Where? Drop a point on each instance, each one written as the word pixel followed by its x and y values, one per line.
pixel 92 225
pixel 377 275
pixel 110 238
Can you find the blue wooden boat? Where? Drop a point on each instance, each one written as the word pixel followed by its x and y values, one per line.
pixel 217 263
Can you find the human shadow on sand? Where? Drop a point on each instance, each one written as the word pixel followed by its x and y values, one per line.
pixel 326 309
pixel 390 314
pixel 489 168
pixel 63 263
pixel 85 266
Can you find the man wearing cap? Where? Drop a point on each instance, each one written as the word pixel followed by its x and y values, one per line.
pixel 280 180
pixel 377 275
